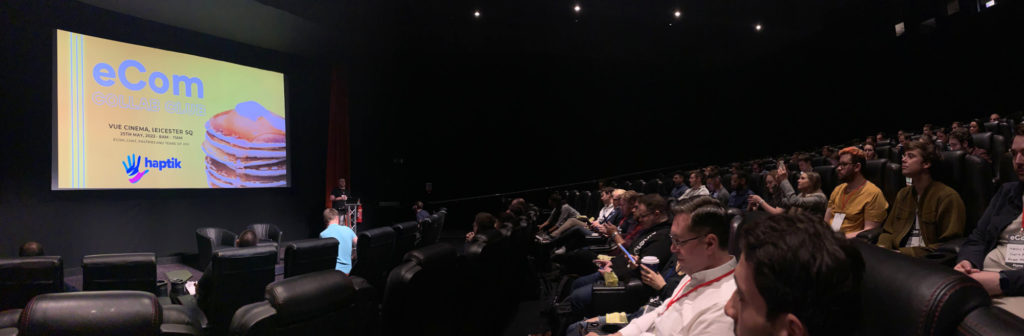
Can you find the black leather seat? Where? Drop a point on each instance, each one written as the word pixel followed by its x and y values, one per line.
pixel 423 294
pixel 874 171
pixel 979 189
pixel 829 178
pixel 132 313
pixel 23 278
pixel 122 271
pixel 374 248
pixel 990 321
pixel 736 219
pixel 490 269
pixel 950 170
pixel 405 239
pixel 907 296
pixel 237 277
pixel 210 240
pixel 883 152
pixel 894 181
pixel 310 255
pixel 267 233
pixel 318 303
pixel 430 229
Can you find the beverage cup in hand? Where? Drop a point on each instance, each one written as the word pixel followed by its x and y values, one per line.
pixel 651 262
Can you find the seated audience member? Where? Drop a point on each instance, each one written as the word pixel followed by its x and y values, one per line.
pixel 740 191
pixel 482 223
pixel 994 117
pixel 700 242
pixel 856 204
pixel 346 237
pixel 678 187
pixel 955 127
pixel 31 249
pixel 421 214
pixel 986 255
pixel 810 201
pixel 974 127
pixel 880 137
pixel 869 140
pixel 869 151
pixel 649 237
pixel 899 133
pixel 962 141
pixel 561 212
pixel 247 238
pixel 575 224
pixel 755 168
pixel 708 170
pixel 803 162
pixel 697 187
pixel 716 189
pixel 941 139
pixel 926 130
pixel 926 213
pixel 829 154
pixel 796 278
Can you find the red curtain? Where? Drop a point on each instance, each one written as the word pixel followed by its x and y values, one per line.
pixel 337 135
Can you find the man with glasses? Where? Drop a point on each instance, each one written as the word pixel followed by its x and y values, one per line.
pixel 926 213
pixel 992 255
pixel 700 242
pixel 857 204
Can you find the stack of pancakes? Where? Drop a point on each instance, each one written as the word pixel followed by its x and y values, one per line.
pixel 245 148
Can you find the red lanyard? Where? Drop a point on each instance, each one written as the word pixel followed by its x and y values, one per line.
pixel 720 277
pixel 848 195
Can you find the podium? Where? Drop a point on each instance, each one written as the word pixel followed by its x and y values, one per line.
pixel 349 213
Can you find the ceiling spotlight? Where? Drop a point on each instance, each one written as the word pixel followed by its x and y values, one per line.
pixel 576 8
pixel 757 27
pixel 476 13
pixel 990 3
pixel 678 14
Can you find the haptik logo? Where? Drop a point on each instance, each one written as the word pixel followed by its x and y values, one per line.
pixel 133 162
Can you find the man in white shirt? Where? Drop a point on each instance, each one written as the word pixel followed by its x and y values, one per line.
pixel 697 187
pixel 795 277
pixel 700 242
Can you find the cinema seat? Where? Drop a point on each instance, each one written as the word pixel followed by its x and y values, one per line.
pixel 310 255
pixel 990 321
pixel 122 271
pixel 829 178
pixel 267 233
pixel 237 277
pixel 405 239
pixel 374 250
pixel 108 313
pixel 318 303
pixel 907 296
pixel 23 278
pixel 210 240
pixel 424 294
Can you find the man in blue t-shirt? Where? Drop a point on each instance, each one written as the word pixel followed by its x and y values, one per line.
pixel 345 236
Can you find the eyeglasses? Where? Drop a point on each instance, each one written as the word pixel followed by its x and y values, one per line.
pixel 680 243
pixel 644 215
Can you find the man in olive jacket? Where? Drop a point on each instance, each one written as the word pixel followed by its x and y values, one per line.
pixel 926 213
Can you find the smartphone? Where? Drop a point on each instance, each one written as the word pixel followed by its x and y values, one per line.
pixel 630 256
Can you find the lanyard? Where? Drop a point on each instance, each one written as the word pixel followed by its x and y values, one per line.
pixel 846 199
pixel 720 277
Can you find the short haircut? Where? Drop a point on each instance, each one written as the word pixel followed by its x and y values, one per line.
pixel 654 202
pixel 711 219
pixel 927 149
pixel 964 137
pixel 743 175
pixel 815 180
pixel 630 196
pixel 801 267
pixel 856 155
pixel 247 238
pixel 517 209
pixel 484 221
pixel 678 172
pixel 693 203
pixel 699 173
pixel 329 215
pixel 31 249
pixel 804 158
pixel 555 200
pixel 607 190
pixel 928 126
pixel 1019 130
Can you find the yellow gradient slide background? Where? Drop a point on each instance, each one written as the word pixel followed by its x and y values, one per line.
pixel 88 155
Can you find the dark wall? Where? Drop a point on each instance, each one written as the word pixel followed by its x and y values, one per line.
pixel 77 223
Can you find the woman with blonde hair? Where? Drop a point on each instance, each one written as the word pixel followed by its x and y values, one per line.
pixel 811 200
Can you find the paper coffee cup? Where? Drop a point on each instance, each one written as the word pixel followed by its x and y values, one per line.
pixel 651 262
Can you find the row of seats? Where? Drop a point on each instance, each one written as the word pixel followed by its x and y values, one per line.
pixel 23 278
pixel 210 240
pixel 380 249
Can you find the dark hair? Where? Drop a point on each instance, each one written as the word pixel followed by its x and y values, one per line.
pixel 678 172
pixel 711 219
pixel 1018 130
pixel 928 126
pixel 964 137
pixel 803 268
pixel 743 175
pixel 699 173
pixel 654 202
pixel 555 200
pixel 247 238
pixel 607 190
pixel 31 249
pixel 483 222
pixel 517 209
pixel 804 158
pixel 927 149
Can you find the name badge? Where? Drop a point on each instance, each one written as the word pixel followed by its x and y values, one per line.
pixel 1015 251
pixel 837 221
pixel 915 238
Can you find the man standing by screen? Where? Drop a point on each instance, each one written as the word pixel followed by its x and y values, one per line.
pixel 339 196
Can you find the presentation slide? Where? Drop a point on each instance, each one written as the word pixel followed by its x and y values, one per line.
pixel 134 117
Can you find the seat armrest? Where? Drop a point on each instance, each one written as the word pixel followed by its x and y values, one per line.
pixel 189 308
pixel 952 246
pixel 9 318
pixel 171 329
pixel 9 332
pixel 870 236
pixel 601 249
pixel 626 297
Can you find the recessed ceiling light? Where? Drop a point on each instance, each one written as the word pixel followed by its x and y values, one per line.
pixel 476 13
pixel 757 27
pixel 576 8
pixel 678 14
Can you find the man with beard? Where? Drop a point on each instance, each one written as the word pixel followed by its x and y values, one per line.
pixel 857 204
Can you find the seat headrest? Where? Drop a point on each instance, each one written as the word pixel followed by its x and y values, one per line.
pixel 405 227
pixel 92 313
pixel 433 254
pixel 31 262
pixel 244 258
pixel 378 234
pixel 316 243
pixel 303 296
pixel 119 259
